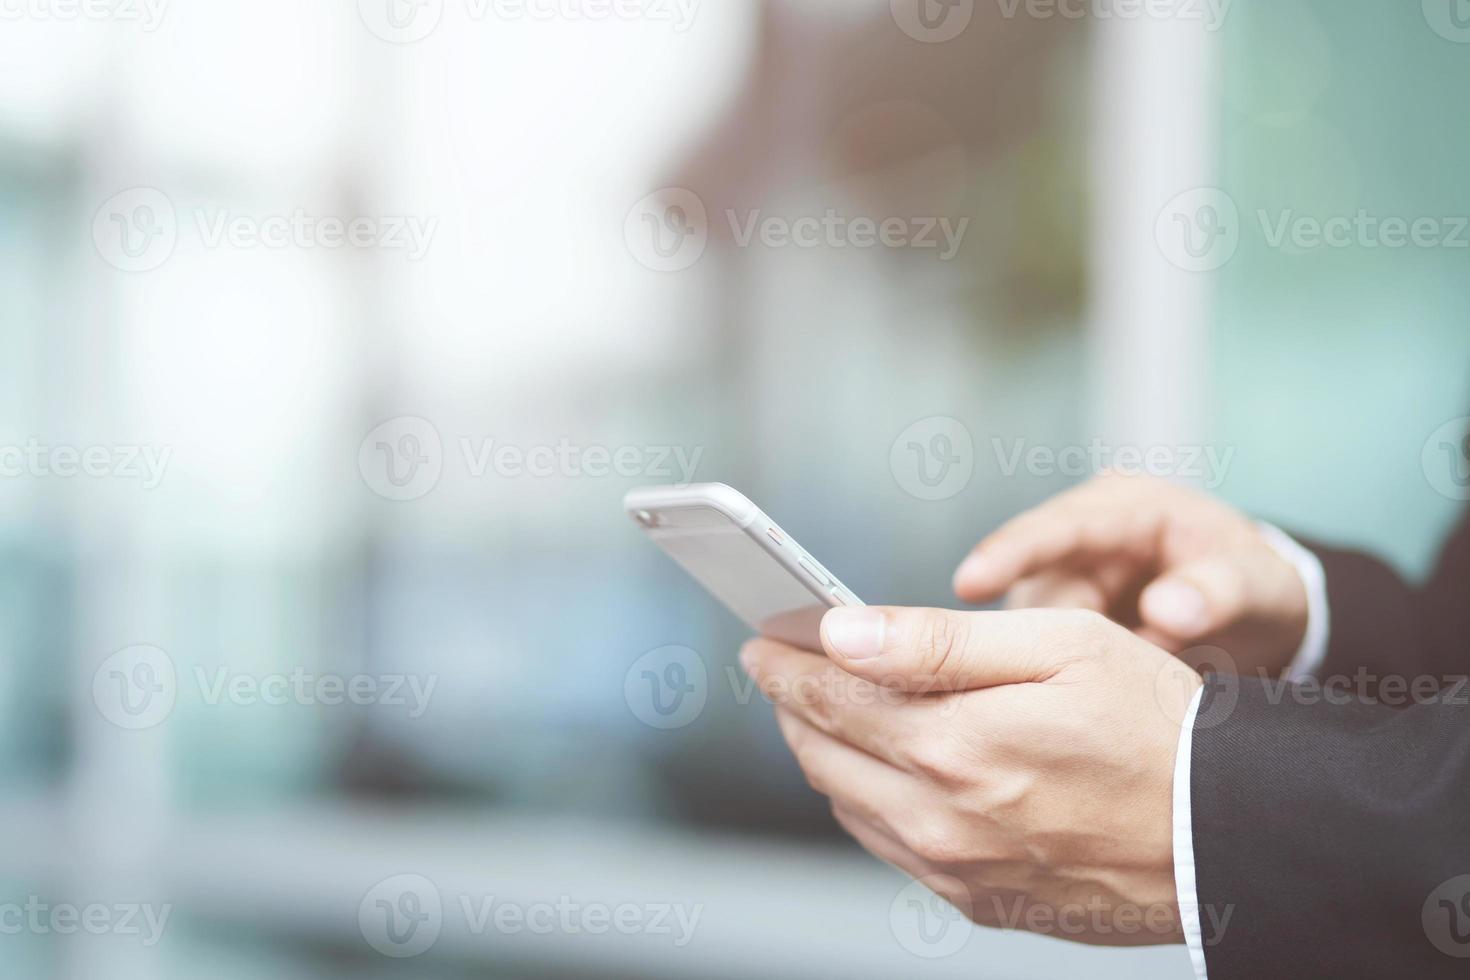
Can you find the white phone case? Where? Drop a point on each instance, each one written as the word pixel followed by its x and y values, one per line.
pixel 742 557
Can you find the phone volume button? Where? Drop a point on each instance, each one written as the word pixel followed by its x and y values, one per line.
pixel 815 573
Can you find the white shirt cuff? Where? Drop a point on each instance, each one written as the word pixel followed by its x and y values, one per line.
pixel 1185 885
pixel 1313 652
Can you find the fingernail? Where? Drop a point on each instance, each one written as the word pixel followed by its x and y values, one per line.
pixel 747 658
pixel 1177 607
pixel 856 633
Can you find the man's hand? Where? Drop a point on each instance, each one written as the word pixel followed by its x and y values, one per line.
pixel 1180 568
pixel 1026 757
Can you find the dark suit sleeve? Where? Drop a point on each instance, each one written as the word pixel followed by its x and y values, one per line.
pixel 1330 823
pixel 1381 625
pixel 1322 832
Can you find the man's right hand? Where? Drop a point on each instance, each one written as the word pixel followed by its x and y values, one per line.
pixel 1179 568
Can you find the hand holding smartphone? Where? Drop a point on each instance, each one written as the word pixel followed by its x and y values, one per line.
pixel 742 557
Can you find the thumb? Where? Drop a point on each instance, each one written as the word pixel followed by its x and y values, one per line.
pixel 1195 599
pixel 925 650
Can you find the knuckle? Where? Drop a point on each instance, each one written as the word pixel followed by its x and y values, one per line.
pixel 939 641
pixel 937 841
pixel 1007 796
pixel 938 758
pixel 1080 630
pixel 1094 529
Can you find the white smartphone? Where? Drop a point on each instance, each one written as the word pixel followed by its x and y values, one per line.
pixel 742 557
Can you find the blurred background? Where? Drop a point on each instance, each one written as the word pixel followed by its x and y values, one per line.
pixel 334 334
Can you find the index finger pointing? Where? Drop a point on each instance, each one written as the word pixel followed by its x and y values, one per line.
pixel 1058 531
